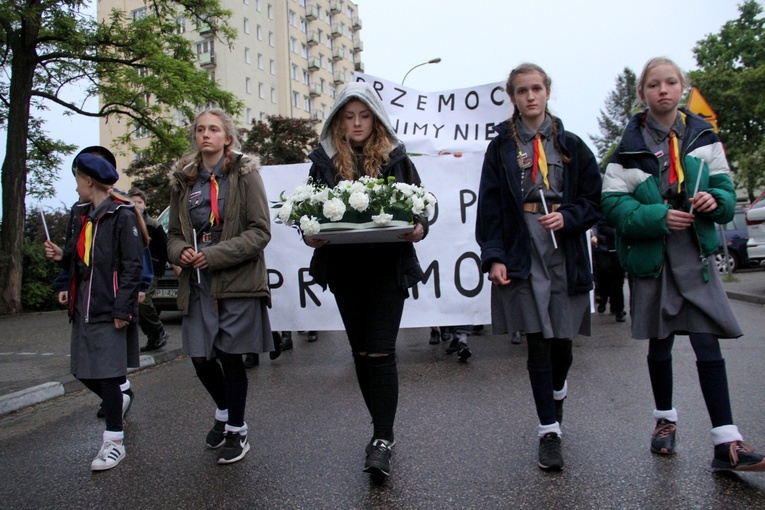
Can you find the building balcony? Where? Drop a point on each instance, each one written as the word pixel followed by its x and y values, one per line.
pixel 315 118
pixel 206 60
pixel 313 38
pixel 356 23
pixel 359 66
pixel 336 32
pixel 314 90
pixel 338 54
pixel 358 45
pixel 205 30
pixel 314 64
pixel 340 77
pixel 311 12
pixel 335 7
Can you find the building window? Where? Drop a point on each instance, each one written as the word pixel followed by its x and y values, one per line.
pixel 139 13
pixel 306 77
pixel 249 116
pixel 246 26
pixel 261 91
pixel 270 11
pixel 180 25
pixel 301 3
pixel 307 103
pixel 259 33
pixel 258 6
pixel 293 45
pixel 247 56
pixel 294 72
pixel 273 95
pixel 323 85
pixel 303 26
pixel 271 41
pixel 292 18
pixel 332 91
pixel 304 51
pixel 272 67
pixel 248 85
pixel 295 99
pixel 260 61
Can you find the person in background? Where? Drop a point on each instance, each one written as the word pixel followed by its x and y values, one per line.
pixel 538 195
pixel 665 189
pixel 609 274
pixel 148 317
pixel 369 281
pixel 103 293
pixel 218 195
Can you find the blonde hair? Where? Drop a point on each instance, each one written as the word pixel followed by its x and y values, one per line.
pixel 650 65
pixel 193 153
pixel 376 150
pixel 524 68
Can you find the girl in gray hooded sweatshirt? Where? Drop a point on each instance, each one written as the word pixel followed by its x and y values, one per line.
pixel 369 280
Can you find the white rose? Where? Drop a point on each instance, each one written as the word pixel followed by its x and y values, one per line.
pixel 285 212
pixel 418 205
pixel 334 209
pixel 309 225
pixel 359 201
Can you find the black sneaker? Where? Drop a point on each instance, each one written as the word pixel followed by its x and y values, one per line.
pixel 601 308
pixel 550 455
pixel 435 338
pixel 235 449
pixel 370 444
pixel 286 340
pixel 454 346
pixel 217 435
pixel 559 410
pixel 464 353
pixel 664 439
pixel 516 338
pixel 251 360
pixel 163 338
pixel 378 460
pixel 445 335
pixel 312 336
pixel 277 345
pixel 621 316
pixel 737 456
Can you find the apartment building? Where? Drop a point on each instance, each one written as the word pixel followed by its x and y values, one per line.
pixel 290 57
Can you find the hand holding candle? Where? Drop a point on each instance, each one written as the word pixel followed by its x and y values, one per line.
pixel 544 205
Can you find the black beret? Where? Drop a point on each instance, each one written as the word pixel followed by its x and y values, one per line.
pixel 99 151
pixel 97 168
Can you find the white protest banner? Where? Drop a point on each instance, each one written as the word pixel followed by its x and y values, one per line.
pixel 454 290
pixel 459 120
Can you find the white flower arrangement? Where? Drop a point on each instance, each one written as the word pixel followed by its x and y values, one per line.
pixel 369 202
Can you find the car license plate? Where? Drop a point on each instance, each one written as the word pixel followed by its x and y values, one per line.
pixel 166 293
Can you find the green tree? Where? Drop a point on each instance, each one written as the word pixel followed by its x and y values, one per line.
pixel 731 76
pixel 143 70
pixel 620 104
pixel 281 140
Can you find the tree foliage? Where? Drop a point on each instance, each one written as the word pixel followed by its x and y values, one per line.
pixel 144 72
pixel 281 140
pixel 620 104
pixel 731 76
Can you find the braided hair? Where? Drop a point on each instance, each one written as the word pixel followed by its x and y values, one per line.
pixel 510 89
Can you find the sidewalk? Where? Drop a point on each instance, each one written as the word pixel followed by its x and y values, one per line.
pixel 36 368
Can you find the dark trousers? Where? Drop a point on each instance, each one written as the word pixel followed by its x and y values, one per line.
pixel 609 280
pixel 548 365
pixel 225 379
pixel 111 399
pixel 148 317
pixel 371 312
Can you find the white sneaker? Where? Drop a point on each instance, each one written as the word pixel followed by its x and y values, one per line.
pixel 108 456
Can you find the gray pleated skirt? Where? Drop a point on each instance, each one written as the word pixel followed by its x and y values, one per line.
pixel 678 300
pixel 235 326
pixel 540 304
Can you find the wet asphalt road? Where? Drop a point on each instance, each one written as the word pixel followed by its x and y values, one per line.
pixel 466 434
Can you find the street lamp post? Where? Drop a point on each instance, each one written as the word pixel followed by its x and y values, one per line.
pixel 431 61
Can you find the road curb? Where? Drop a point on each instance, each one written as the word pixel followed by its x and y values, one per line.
pixel 749 298
pixel 46 391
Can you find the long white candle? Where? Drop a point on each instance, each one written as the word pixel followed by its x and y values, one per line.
pixel 45 225
pixel 544 205
pixel 698 180
pixel 199 274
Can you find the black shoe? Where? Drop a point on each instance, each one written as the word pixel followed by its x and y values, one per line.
pixel 464 353
pixel 559 410
pixel 370 444
pixel 550 455
pixel 235 449
pixel 737 456
pixel 478 329
pixel 454 346
pixel 601 308
pixel 277 346
pixel 445 335
pixel 251 360
pixel 378 460
pixel 516 338
pixel 313 336
pixel 434 337
pixel 664 439
pixel 621 316
pixel 217 435
pixel 151 345
pixel 163 338
pixel 286 340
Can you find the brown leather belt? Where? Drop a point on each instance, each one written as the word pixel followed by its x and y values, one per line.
pixel 538 208
pixel 206 237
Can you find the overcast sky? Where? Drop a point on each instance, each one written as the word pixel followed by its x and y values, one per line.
pixel 582 44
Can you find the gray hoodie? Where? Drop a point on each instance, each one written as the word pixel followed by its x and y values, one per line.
pixel 365 93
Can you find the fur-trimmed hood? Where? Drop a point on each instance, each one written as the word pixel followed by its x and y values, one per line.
pixel 179 173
